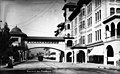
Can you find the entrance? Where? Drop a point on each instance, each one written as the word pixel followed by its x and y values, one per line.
pixel 81 56
pixel 110 54
pixel 69 58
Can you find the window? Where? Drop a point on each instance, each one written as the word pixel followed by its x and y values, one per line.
pixel 80 16
pixel 80 27
pixel 98 16
pixel 80 41
pixel 72 33
pixel 76 21
pixel 75 31
pixel 68 26
pixel 83 12
pixel 71 25
pixel 90 38
pixel 83 24
pixel 118 10
pixel 97 3
pixel 112 11
pixel 98 35
pixel 83 40
pixel 68 35
pixel 89 8
pixel 89 21
pixel 69 43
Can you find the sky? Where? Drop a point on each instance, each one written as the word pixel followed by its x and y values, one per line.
pixel 35 17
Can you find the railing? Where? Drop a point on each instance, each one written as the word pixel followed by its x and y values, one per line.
pixel 113 38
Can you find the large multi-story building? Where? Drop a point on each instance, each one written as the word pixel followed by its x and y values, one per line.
pixel 95 26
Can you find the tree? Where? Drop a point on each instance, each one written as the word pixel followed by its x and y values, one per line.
pixel 4 40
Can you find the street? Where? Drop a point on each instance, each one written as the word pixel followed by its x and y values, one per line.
pixel 52 67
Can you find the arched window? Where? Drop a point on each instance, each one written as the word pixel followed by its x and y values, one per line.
pixel 112 11
pixel 68 35
pixel 68 26
pixel 107 31
pixel 107 28
pixel 69 43
pixel 118 29
pixel 112 29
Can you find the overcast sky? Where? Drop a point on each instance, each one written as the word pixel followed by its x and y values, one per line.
pixel 35 17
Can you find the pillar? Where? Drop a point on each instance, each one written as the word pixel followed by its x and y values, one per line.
pixel 105 57
pixel 115 33
pixel 65 58
pixel 85 56
pixel 75 57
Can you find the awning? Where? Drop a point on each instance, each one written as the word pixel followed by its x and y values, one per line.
pixel 97 50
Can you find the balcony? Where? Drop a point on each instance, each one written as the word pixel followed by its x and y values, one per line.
pixel 113 38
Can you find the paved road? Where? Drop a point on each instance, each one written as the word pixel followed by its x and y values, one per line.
pixel 52 67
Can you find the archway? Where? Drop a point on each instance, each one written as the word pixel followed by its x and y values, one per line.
pixel 112 29
pixel 81 56
pixel 61 56
pixel 110 54
pixel 118 29
pixel 69 58
pixel 49 53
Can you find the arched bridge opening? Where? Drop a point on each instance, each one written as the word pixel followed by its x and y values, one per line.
pixel 49 53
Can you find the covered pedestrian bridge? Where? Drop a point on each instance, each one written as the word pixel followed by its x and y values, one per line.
pixel 55 43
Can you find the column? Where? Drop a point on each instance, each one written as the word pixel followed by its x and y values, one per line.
pixel 75 57
pixel 115 64
pixel 115 33
pixel 105 57
pixel 85 56
pixel 65 58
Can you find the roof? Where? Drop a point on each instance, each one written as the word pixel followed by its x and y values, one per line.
pixel 74 14
pixel 17 32
pixel 31 38
pixel 81 2
pixel 111 18
pixel 78 47
pixel 77 10
pixel 70 4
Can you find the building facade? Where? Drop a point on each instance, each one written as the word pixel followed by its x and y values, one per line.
pixel 95 26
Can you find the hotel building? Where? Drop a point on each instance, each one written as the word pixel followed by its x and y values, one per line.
pixel 95 26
